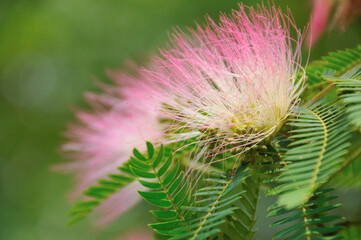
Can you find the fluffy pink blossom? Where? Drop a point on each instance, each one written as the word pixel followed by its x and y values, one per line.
pixel 120 120
pixel 231 84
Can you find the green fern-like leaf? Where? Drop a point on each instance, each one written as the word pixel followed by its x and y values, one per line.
pixel 243 220
pixel 104 189
pixel 335 64
pixel 343 61
pixel 350 92
pixel 167 187
pixel 309 221
pixel 320 144
pixel 214 204
pixel 315 71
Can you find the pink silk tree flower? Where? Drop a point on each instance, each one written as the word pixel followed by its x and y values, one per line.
pixel 105 136
pixel 230 85
pixel 224 87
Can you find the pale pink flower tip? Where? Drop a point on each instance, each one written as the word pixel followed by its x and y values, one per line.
pixel 319 19
pixel 104 138
pixel 233 83
pixel 346 11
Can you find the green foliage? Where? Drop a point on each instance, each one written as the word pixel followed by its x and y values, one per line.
pixel 214 203
pixel 243 220
pixel 169 190
pixel 318 151
pixel 349 88
pixel 315 72
pixel 350 176
pixel 335 64
pixel 352 232
pixel 320 144
pixel 308 221
pixel 167 187
pixel 313 151
pixel 343 61
pixel 97 194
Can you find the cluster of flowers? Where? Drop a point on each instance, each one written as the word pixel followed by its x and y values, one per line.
pixel 229 85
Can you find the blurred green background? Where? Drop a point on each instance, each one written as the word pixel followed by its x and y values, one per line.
pixel 51 52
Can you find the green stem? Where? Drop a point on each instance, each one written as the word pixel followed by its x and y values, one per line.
pixel 305 219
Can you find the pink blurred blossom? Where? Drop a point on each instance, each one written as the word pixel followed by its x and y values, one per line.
pixel 346 11
pixel 231 83
pixel 319 19
pixel 120 119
